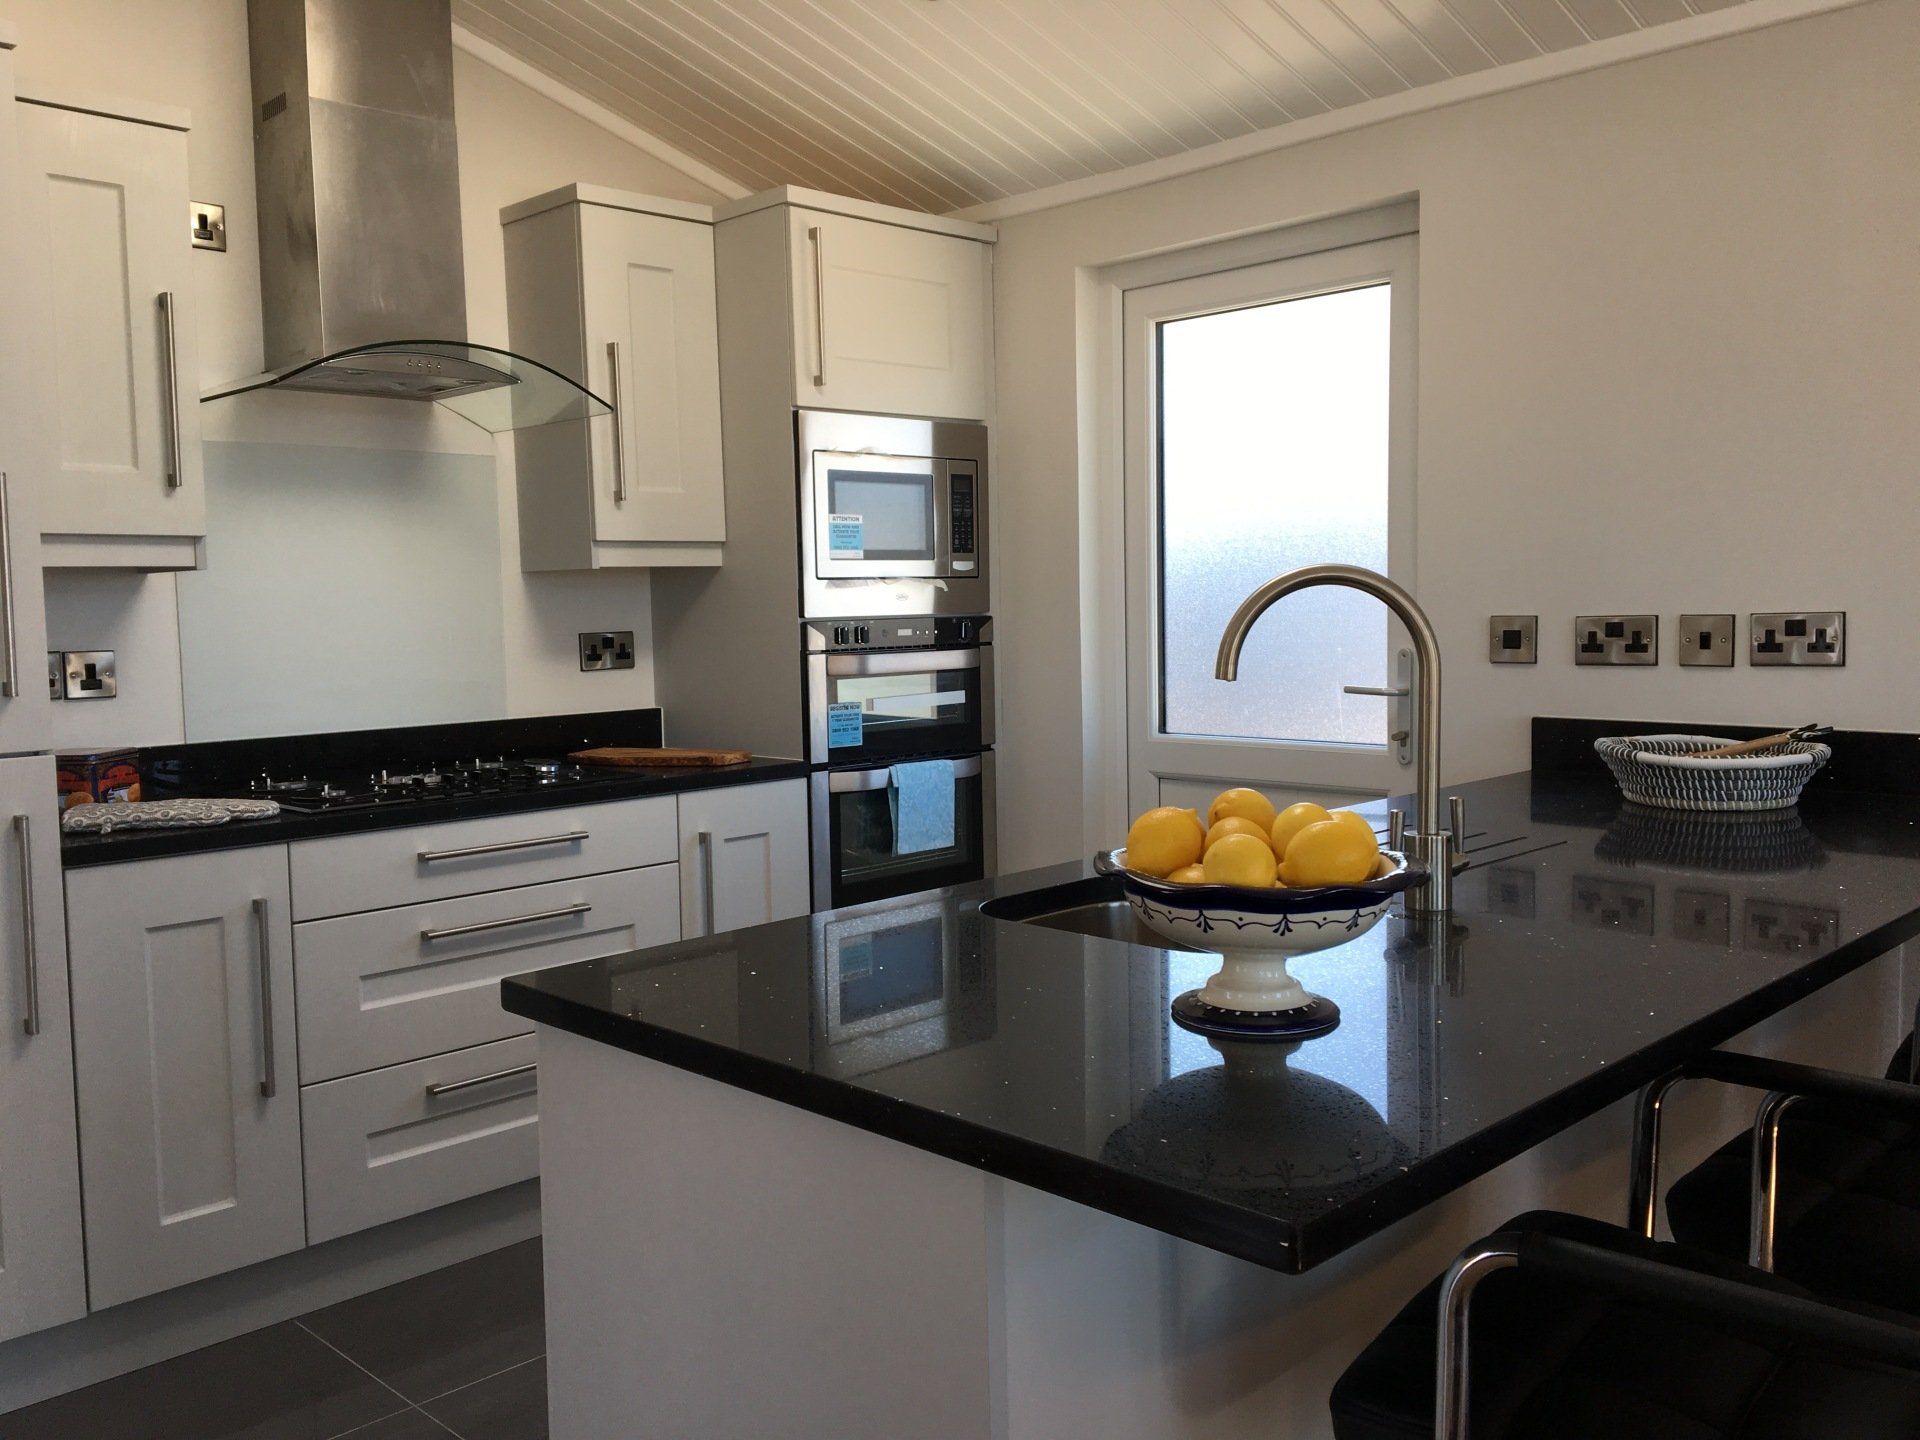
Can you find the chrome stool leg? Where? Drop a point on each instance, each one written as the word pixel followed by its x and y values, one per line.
pixel 1450 1400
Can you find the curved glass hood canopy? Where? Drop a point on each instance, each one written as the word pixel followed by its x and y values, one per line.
pixel 495 389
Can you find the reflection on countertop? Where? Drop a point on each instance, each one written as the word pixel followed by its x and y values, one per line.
pixel 1579 963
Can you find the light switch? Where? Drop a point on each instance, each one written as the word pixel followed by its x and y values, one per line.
pixel 1513 639
pixel 1706 640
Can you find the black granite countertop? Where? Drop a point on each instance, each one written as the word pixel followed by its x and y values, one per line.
pixel 621 784
pixel 1594 946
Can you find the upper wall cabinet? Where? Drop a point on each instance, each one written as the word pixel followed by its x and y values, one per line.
pixel 887 318
pixel 117 478
pixel 616 291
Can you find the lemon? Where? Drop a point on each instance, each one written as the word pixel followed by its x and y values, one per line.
pixel 1248 804
pixel 1329 853
pixel 1164 839
pixel 1189 875
pixel 1233 825
pixel 1240 860
pixel 1353 818
pixel 1291 821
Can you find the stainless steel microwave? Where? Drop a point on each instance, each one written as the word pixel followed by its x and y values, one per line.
pixel 893 515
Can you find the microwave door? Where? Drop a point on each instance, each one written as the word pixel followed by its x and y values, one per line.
pixel 876 516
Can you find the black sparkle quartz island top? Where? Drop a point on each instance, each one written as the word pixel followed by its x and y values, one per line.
pixel 1594 946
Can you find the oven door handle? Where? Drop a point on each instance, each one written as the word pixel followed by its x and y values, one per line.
pixel 902 662
pixel 851 782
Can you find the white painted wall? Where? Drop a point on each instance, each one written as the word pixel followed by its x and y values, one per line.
pixel 1669 330
pixel 513 143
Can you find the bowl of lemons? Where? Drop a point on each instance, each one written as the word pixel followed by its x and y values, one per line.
pixel 1257 885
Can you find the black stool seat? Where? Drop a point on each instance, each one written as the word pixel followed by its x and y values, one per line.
pixel 1847 1205
pixel 1553 1361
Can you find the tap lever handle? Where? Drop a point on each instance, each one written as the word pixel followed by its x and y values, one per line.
pixel 1397 830
pixel 1457 822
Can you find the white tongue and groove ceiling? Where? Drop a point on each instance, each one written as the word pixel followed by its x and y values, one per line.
pixel 941 104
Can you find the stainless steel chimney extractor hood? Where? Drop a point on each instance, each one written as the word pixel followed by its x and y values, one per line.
pixel 358 177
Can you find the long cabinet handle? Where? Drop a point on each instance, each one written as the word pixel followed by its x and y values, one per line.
pixel 449 1087
pixel 170 340
pixel 10 681
pixel 497 847
pixel 704 843
pixel 263 952
pixel 447 932
pixel 23 837
pixel 619 425
pixel 819 246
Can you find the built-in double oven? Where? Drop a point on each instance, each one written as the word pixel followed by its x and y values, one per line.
pixel 899 652
pixel 900 729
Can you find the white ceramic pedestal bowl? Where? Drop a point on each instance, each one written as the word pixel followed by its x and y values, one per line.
pixel 1255 931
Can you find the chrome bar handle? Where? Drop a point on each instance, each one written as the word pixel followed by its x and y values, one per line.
pixel 619 425
pixel 10 681
pixel 269 1076
pixel 498 847
pixel 169 339
pixel 447 932
pixel 450 1087
pixel 30 940
pixel 819 246
pixel 704 843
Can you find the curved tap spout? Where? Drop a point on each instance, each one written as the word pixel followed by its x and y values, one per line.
pixel 1426 648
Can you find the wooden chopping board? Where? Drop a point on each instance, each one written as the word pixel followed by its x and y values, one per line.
pixel 636 755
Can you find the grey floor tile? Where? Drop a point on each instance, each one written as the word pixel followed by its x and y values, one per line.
pixel 433 1334
pixel 509 1406
pixel 274 1384
pixel 407 1425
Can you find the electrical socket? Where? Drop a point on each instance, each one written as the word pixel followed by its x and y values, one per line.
pixel 1510 891
pixel 1513 639
pixel 1613 904
pixel 1703 915
pixel 90 674
pixel 1706 640
pixel 606 650
pixel 1616 640
pixel 1772 925
pixel 1798 637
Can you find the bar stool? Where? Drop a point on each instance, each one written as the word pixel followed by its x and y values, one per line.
pixel 1824 1191
pixel 1601 1334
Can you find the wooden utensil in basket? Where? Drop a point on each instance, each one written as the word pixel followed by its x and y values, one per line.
pixel 1765 742
pixel 635 756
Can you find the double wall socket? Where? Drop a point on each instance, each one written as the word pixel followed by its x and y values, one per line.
pixel 1794 637
pixel 1616 640
pixel 606 650
pixel 1706 640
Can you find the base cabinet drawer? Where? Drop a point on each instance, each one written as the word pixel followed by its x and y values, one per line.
pixel 348 874
pixel 397 1141
pixel 395 985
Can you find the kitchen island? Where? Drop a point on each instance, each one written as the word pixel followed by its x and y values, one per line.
pixel 943 1167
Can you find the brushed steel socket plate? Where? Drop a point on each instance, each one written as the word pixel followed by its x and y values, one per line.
pixel 207 224
pixel 1513 639
pixel 1798 637
pixel 90 675
pixel 606 650
pixel 1616 640
pixel 1706 640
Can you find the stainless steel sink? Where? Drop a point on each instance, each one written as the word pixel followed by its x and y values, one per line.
pixel 1094 906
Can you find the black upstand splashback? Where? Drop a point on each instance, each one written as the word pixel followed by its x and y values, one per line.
pixel 412 746
pixel 1868 762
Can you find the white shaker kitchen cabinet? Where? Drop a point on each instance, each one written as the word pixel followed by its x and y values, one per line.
pixel 42 1271
pixel 24 716
pixel 109 257
pixel 743 856
pixel 184 1053
pixel 888 319
pixel 616 291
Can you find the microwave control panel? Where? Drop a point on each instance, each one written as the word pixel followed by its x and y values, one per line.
pixel 915 632
pixel 960 517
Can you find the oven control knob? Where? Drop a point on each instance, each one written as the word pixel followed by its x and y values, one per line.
pixel 841 634
pixel 860 635
pixel 964 629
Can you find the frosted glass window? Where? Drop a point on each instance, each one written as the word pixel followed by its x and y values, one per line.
pixel 1273 455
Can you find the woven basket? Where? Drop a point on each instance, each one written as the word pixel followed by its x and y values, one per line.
pixel 1663 771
